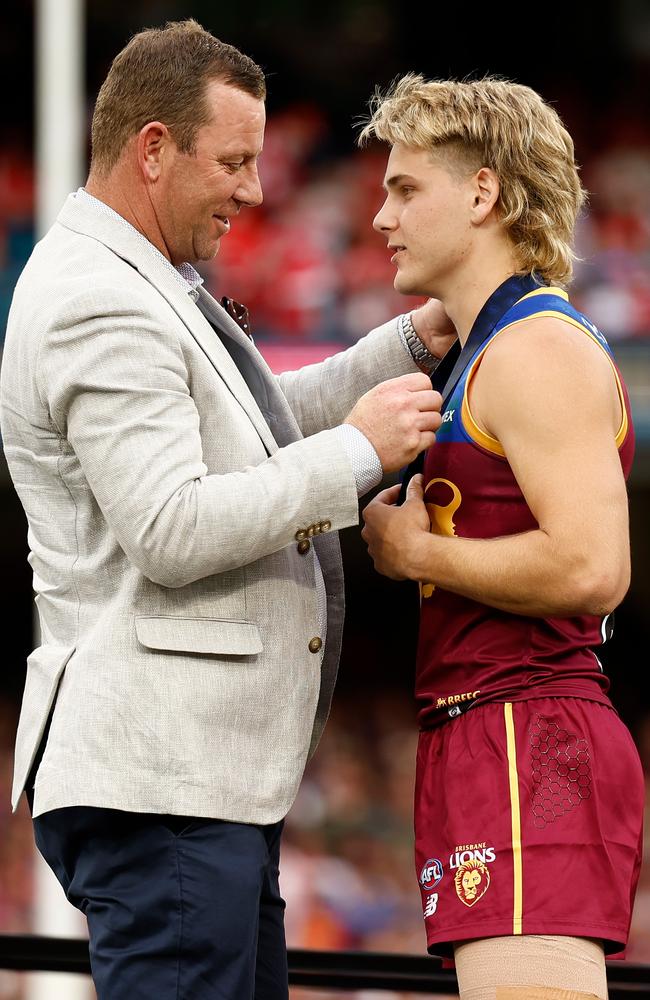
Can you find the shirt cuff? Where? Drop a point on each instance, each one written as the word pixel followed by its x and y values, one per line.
pixel 367 468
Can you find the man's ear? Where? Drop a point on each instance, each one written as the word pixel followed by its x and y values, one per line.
pixel 153 142
pixel 485 192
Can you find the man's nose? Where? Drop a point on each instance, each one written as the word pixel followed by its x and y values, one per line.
pixel 250 192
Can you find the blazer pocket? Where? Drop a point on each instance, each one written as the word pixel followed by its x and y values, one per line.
pixel 199 635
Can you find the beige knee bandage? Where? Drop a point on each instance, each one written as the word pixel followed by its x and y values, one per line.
pixel 540 993
pixel 531 967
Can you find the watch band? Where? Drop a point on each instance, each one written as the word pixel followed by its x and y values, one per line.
pixel 424 359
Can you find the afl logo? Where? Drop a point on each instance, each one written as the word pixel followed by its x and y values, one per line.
pixel 431 874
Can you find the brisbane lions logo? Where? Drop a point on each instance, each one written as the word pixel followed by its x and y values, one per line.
pixel 472 881
pixel 441 514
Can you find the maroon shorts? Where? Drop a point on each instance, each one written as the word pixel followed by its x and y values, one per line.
pixel 528 820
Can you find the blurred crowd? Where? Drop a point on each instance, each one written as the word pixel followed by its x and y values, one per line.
pixel 612 279
pixel 310 267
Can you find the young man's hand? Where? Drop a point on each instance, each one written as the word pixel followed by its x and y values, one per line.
pixel 433 327
pixel 394 535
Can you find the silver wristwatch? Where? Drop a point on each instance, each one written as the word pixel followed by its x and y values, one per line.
pixel 422 356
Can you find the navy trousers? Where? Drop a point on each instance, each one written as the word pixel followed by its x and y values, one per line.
pixel 177 908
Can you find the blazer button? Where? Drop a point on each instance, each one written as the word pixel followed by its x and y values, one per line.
pixel 311 530
pixel 315 644
pixel 304 545
pixel 301 535
pixel 325 525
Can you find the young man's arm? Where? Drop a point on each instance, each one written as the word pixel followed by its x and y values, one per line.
pixel 548 394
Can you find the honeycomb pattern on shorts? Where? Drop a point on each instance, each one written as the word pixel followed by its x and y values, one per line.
pixel 561 771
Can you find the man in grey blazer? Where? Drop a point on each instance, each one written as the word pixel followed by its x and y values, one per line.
pixel 183 505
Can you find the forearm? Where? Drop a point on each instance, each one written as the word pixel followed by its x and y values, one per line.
pixel 322 395
pixel 525 574
pixel 577 560
pixel 214 523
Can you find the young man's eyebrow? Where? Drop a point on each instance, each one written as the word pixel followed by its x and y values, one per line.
pixel 395 180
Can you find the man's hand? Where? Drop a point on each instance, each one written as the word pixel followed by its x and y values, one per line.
pixel 399 417
pixel 394 535
pixel 433 327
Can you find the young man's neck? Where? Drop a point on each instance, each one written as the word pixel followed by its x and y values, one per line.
pixel 468 290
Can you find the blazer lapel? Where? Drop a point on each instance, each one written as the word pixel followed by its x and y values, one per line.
pixel 138 252
pixel 254 369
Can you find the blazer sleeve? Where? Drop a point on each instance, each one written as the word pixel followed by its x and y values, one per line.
pixel 116 385
pixel 322 395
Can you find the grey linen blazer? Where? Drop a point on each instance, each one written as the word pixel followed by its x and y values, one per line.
pixel 163 500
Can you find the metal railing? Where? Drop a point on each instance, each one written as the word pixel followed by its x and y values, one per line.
pixel 338 970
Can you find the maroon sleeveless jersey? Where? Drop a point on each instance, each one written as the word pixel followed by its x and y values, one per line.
pixel 469 653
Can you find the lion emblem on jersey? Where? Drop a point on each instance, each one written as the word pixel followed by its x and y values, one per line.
pixel 472 881
pixel 442 519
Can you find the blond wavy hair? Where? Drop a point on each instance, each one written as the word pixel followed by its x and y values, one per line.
pixel 503 125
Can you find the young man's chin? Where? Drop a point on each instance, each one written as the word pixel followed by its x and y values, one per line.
pixel 402 285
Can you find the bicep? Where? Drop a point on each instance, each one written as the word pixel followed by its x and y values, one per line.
pixel 554 412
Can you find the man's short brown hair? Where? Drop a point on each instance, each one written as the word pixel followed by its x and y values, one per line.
pixel 161 75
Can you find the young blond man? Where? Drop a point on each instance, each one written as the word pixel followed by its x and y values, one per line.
pixel 529 790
